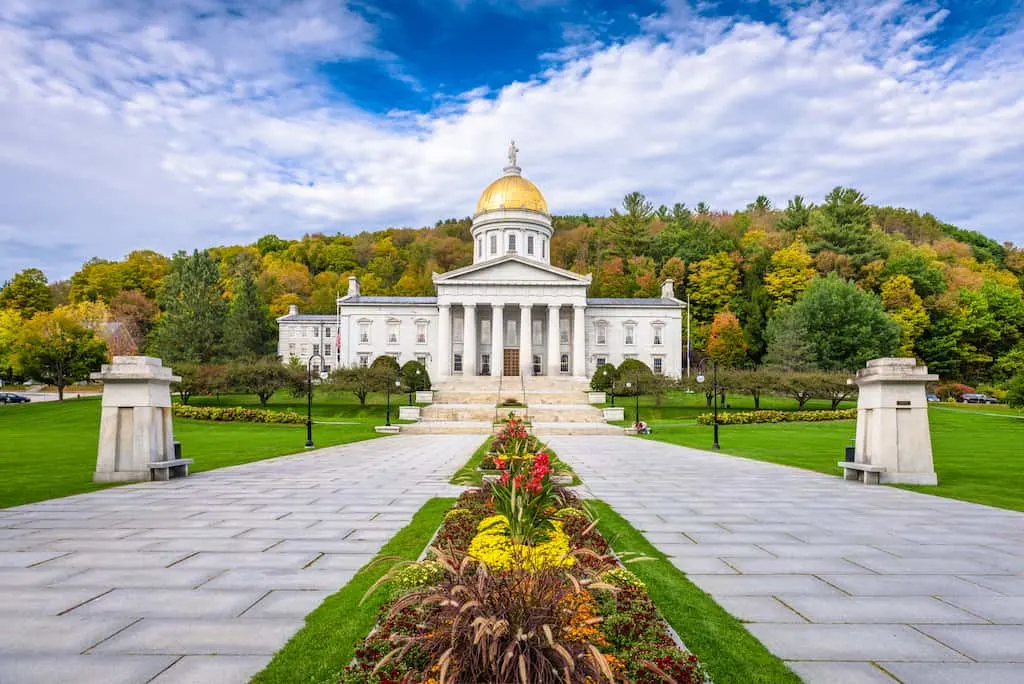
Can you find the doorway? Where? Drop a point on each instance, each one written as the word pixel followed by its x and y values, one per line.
pixel 511 362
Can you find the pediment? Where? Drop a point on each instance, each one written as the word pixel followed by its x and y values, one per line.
pixel 512 270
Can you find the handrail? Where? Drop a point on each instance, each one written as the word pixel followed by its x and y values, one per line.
pixel 522 384
pixel 497 402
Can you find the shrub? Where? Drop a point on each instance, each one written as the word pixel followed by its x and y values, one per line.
pixel 386 366
pixel 236 414
pixel 635 372
pixel 754 417
pixel 415 376
pixel 953 390
pixel 621 577
pixel 604 377
pixel 1015 392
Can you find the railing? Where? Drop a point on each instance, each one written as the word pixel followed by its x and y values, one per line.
pixel 497 402
pixel 522 386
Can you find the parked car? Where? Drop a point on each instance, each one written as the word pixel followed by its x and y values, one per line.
pixel 979 398
pixel 11 398
pixel 933 397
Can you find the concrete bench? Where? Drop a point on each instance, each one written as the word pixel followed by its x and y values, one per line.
pixel 869 474
pixel 166 470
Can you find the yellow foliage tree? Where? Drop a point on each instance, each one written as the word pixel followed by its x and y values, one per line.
pixel 714 283
pixel 789 272
pixel 905 307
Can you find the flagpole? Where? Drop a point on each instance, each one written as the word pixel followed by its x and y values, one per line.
pixel 687 334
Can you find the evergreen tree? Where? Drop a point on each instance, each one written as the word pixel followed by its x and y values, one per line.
pixel 248 330
pixel 629 233
pixel 192 328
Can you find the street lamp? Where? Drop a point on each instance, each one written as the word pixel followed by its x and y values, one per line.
pixel 414 385
pixel 309 394
pixel 714 390
pixel 387 416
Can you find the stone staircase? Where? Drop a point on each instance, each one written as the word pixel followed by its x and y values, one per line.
pixel 555 405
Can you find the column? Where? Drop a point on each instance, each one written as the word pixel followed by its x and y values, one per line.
pixel 525 340
pixel 554 360
pixel 444 340
pixel 469 351
pixel 579 361
pixel 497 338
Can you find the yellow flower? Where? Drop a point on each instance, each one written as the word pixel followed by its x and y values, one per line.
pixel 492 546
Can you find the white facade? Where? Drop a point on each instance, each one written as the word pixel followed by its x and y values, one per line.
pixel 476 323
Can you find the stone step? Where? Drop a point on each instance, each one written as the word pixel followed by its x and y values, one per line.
pixel 433 427
pixel 566 414
pixel 542 429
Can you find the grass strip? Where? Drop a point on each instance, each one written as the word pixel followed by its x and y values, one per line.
pixel 326 644
pixel 728 651
pixel 470 474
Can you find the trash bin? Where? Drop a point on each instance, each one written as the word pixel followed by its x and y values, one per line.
pixel 851 453
pixel 177 450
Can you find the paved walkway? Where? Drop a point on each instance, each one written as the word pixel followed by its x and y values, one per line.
pixel 847 583
pixel 202 580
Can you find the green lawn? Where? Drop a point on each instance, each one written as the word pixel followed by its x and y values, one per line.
pixel 973 450
pixel 682 407
pixel 48 449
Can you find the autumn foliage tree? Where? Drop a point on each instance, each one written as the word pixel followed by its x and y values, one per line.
pixel 726 342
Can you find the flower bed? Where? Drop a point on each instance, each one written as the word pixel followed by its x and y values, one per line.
pixel 236 414
pixel 519 587
pixel 754 417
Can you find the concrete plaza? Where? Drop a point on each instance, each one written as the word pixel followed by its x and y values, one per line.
pixel 845 582
pixel 202 579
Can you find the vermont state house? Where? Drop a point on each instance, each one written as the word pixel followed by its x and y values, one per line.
pixel 508 313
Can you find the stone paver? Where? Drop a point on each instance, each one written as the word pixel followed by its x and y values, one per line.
pixel 845 582
pixel 202 579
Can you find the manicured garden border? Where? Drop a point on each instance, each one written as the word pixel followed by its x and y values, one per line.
pixel 326 644
pixel 728 651
pixel 470 474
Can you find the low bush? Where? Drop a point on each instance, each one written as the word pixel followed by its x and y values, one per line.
pixel 755 417
pixel 236 414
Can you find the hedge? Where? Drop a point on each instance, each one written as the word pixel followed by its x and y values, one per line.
pixel 236 414
pixel 752 417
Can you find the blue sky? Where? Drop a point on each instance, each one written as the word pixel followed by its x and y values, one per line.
pixel 133 124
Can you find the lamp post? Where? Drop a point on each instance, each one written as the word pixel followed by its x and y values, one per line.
pixel 414 385
pixel 309 394
pixel 387 416
pixel 714 391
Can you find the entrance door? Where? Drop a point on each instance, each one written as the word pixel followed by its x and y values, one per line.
pixel 511 365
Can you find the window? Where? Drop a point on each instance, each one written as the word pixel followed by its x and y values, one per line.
pixel 291 349
pixel 457 330
pixel 327 368
pixel 494 243
pixel 600 360
pixel 393 332
pixel 511 243
pixel 658 333
pixel 511 339
pixel 364 360
pixel 536 364
pixel 364 333
pixel 563 332
pixel 529 244
pixel 327 332
pixel 421 359
pixel 563 365
pixel 658 365
pixel 457 363
pixel 316 331
pixel 629 329
pixel 485 364
pixel 602 332
pixel 316 349
pixel 538 333
pixel 479 247
pixel 485 331
pixel 543 248
pixel 327 350
pixel 421 332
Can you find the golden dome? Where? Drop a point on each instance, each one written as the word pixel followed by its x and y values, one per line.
pixel 511 192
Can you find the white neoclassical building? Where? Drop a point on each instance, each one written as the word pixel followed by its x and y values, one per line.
pixel 508 313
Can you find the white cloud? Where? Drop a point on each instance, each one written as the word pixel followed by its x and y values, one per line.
pixel 162 131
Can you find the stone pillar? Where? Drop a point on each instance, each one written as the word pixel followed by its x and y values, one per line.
pixel 135 423
pixel 497 338
pixel 525 339
pixel 554 362
pixel 469 350
pixel 444 340
pixel 892 420
pixel 579 361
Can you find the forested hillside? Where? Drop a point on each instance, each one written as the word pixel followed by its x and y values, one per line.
pixel 954 294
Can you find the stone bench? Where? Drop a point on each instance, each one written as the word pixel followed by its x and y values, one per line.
pixel 869 474
pixel 166 470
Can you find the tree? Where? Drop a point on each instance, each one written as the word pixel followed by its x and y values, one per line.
pixel 192 328
pixel 57 350
pixel 386 367
pixel 635 372
pixel 905 307
pixel 629 231
pixel 10 328
pixel 796 215
pixel 714 283
pixel 836 387
pixel 262 377
pixel 789 273
pixel 26 293
pixel 360 381
pixel 845 326
pixel 97 280
pixel 197 379
pixel 789 348
pixel 415 376
pixel 604 378
pixel 1015 392
pixel 133 314
pixel 727 344
pixel 248 330
pixel 755 382
pixel 843 226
